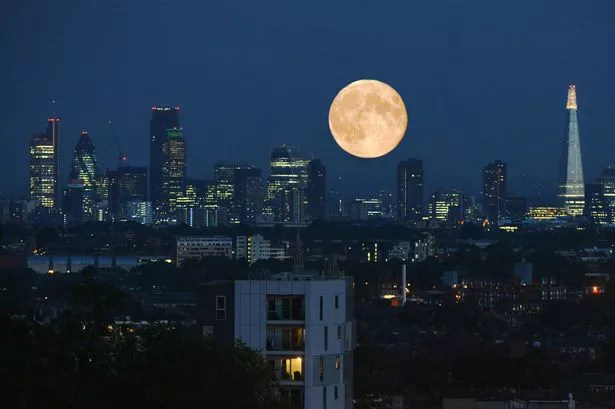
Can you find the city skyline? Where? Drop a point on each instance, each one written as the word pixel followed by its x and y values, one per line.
pixel 470 97
pixel 165 118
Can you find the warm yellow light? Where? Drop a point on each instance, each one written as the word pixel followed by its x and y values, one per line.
pixel 368 119
pixel 572 97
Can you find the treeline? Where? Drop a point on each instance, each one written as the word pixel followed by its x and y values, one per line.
pixel 81 360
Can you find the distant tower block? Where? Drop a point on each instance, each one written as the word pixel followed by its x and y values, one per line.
pixel 403 285
pixel 571 187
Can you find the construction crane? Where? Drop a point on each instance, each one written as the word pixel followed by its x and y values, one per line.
pixel 122 156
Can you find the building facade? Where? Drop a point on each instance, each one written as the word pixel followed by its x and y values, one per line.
pixel 256 247
pixel 288 180
pixel 495 191
pixel 163 118
pixel 174 170
pixel 43 157
pixel 84 168
pixel 303 324
pixel 410 186
pixel 316 190
pixel 571 187
pixel 196 248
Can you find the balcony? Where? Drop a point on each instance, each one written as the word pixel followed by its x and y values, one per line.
pixel 288 308
pixel 285 339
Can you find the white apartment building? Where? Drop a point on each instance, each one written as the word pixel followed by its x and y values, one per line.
pixel 199 247
pixel 303 324
pixel 256 248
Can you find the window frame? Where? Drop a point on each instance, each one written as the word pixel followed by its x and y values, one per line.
pixel 220 312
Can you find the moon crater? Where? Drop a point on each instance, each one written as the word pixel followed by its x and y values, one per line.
pixel 368 119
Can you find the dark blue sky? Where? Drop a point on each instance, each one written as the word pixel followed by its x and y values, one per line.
pixel 482 80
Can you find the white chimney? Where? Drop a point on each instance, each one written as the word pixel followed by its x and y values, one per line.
pixel 403 285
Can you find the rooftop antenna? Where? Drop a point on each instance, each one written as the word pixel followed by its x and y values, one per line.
pixel 122 155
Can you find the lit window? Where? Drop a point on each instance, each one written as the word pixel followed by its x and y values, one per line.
pixel 337 362
pixel 322 369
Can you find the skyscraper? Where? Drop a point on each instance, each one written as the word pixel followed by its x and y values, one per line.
pixel 288 174
pixel 410 190
pixel 495 191
pixel 163 118
pixel 125 185
pixel 84 169
pixel 596 207
pixel 607 182
pixel 571 187
pixel 174 168
pixel 74 200
pixel 44 167
pixel 289 169
pixel 248 193
pixel 316 189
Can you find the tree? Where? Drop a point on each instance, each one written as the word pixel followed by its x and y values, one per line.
pixel 67 366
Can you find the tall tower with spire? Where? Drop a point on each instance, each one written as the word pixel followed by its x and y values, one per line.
pixel 571 187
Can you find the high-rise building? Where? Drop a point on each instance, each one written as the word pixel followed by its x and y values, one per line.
pixel 224 178
pixel 495 191
pixel 607 182
pixel 316 189
pixel 74 201
pixel 174 168
pixel 596 207
pixel 288 178
pixel 302 323
pixel 84 168
pixel 126 184
pixel 163 118
pixel 248 193
pixel 291 205
pixel 288 169
pixel 44 162
pixel 410 185
pixel 571 187
pixel 42 171
pixel 449 206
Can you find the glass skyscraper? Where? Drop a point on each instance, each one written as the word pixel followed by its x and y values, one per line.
pixel 571 187
pixel 288 180
pixel 84 169
pixel 163 118
pixel 44 166
pixel 174 168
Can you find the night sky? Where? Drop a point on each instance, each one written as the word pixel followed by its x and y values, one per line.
pixel 482 80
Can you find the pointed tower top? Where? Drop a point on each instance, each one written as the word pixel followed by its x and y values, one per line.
pixel 572 97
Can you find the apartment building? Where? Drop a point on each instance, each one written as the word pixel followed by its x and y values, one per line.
pixel 256 248
pixel 303 324
pixel 199 247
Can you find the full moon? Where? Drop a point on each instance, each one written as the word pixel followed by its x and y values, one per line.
pixel 368 119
